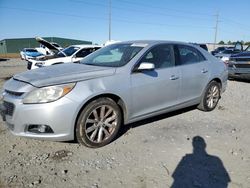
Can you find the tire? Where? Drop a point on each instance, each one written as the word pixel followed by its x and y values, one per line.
pixel 210 97
pixel 98 123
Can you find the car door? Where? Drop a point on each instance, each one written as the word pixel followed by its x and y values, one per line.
pixel 194 72
pixel 157 89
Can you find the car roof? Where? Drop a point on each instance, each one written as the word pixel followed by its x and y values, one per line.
pixel 86 46
pixel 153 42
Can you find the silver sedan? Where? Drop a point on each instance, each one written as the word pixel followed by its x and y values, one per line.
pixel 116 85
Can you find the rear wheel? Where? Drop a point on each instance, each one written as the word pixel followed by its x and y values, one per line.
pixel 98 123
pixel 211 97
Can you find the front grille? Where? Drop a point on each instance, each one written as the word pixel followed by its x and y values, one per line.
pixel 240 59
pixel 242 65
pixel 9 108
pixel 29 65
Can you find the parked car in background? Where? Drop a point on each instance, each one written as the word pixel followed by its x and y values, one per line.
pixel 218 50
pixel 226 54
pixel 239 65
pixel 118 84
pixel 46 50
pixel 30 53
pixel 72 54
pixel 49 49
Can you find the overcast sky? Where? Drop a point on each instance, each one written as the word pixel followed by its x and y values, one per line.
pixel 179 20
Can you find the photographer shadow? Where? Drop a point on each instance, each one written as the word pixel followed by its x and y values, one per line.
pixel 200 169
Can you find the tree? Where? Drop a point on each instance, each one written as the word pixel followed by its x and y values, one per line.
pixel 221 42
pixel 229 42
pixel 247 43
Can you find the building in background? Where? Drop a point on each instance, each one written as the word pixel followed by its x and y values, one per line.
pixel 12 46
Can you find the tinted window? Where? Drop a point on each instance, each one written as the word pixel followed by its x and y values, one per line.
pixel 248 49
pixel 162 56
pixel 85 52
pixel 31 50
pixel 68 51
pixel 189 55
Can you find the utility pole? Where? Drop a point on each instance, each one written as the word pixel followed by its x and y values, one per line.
pixel 216 29
pixel 109 20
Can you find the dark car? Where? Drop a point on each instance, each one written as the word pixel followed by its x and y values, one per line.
pixel 239 65
pixel 218 50
pixel 226 54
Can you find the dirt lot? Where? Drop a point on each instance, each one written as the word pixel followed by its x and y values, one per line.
pixel 147 153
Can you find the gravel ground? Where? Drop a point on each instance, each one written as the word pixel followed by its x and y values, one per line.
pixel 147 153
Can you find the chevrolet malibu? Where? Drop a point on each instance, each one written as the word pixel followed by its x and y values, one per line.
pixel 116 85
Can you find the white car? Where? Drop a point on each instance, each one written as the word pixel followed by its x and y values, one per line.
pixel 30 53
pixel 72 54
pixel 45 51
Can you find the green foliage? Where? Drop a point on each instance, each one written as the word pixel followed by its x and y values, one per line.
pixel 221 42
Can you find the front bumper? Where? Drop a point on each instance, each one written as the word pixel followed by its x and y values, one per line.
pixel 238 72
pixel 60 116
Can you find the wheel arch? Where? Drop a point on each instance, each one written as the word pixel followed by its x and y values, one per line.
pixel 217 80
pixel 112 96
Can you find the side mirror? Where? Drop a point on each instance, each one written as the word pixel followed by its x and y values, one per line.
pixel 146 66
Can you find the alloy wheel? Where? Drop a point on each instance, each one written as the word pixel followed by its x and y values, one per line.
pixel 213 96
pixel 101 123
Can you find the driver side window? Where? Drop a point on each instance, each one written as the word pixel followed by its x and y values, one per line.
pixel 162 56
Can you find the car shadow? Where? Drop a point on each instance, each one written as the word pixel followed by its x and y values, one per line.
pixel 124 129
pixel 3 59
pixel 127 127
pixel 199 169
pixel 241 80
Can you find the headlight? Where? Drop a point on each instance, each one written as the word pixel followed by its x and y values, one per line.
pixel 47 94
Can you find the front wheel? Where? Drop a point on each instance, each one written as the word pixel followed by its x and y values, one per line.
pixel 211 97
pixel 98 123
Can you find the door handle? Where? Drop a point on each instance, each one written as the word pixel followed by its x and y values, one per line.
pixel 204 71
pixel 173 77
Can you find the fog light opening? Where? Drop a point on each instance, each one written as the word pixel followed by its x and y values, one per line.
pixel 39 129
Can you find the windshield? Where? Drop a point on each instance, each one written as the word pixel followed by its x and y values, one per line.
pixel 68 51
pixel 31 50
pixel 248 49
pixel 115 55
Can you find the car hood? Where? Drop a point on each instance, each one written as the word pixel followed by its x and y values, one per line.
pixel 65 73
pixel 242 54
pixel 222 55
pixel 47 44
pixel 34 54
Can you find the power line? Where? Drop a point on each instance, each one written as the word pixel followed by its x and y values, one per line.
pixel 103 18
pixel 142 11
pixel 157 7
